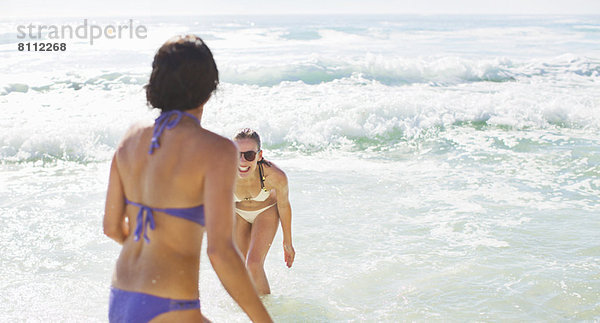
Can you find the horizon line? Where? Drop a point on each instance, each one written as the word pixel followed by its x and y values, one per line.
pixel 301 14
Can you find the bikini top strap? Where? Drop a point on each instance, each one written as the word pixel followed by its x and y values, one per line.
pixel 165 121
pixel 143 224
pixel 261 175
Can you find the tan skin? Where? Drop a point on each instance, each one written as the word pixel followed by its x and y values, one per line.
pixel 192 166
pixel 255 239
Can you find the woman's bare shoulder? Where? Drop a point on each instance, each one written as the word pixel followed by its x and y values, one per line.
pixel 216 145
pixel 133 133
pixel 274 173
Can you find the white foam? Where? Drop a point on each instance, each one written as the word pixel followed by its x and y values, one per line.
pixel 426 164
pixel 355 87
pixel 337 114
pixel 85 127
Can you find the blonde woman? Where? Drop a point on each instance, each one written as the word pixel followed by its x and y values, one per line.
pixel 261 196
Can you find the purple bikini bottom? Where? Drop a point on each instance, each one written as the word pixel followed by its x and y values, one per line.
pixel 133 307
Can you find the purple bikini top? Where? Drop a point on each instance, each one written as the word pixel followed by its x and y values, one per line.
pixel 166 120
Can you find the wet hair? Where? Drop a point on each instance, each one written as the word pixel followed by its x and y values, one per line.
pixel 248 133
pixel 184 75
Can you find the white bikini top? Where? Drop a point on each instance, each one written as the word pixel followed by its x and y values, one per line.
pixel 263 195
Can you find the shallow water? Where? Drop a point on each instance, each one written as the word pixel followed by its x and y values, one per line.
pixel 441 168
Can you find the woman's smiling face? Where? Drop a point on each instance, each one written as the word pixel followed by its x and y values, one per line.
pixel 247 167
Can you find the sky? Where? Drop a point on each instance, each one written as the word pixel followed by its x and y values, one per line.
pixel 79 8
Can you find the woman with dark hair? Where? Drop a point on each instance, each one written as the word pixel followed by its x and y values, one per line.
pixel 258 214
pixel 169 183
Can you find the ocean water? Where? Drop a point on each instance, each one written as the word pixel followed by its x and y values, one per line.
pixel 441 168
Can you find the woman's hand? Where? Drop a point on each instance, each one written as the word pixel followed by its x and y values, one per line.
pixel 289 253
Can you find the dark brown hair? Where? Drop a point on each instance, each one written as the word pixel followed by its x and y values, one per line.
pixel 184 75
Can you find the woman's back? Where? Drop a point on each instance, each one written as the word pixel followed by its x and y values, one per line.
pixel 168 184
pixel 170 177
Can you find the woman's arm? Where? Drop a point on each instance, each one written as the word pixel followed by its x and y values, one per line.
pixel 285 215
pixel 115 225
pixel 224 256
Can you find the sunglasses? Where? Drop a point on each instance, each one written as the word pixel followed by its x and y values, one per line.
pixel 249 155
